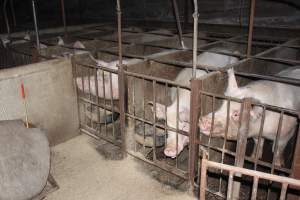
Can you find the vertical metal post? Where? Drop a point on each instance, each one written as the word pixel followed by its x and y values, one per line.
pixel 5 17
pixel 250 27
pixel 242 142
pixel 121 81
pixel 12 8
pixel 176 12
pixel 36 25
pixel 195 37
pixel 296 163
pixel 203 180
pixel 64 16
pixel 195 110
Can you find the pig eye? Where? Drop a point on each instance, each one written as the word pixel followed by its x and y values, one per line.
pixel 235 115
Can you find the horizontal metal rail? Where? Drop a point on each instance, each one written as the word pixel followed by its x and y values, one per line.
pixel 205 164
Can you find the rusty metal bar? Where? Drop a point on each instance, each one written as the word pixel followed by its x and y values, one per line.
pixel 176 12
pixel 283 191
pixel 6 17
pixel 242 142
pixel 154 119
pixel 230 187
pixel 195 110
pixel 203 180
pixel 250 32
pixel 296 159
pixel 36 25
pixel 254 188
pixel 195 37
pixel 121 80
pixel 253 173
pixel 62 2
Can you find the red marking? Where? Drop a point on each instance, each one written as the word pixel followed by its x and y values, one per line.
pixel 23 90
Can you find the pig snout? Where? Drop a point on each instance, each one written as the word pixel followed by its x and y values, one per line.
pixel 205 125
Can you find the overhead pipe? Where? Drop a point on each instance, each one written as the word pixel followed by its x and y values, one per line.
pixel 176 12
pixel 250 27
pixel 36 25
pixel 64 17
pixel 195 38
pixel 5 17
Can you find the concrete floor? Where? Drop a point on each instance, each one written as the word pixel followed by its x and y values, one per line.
pixel 83 174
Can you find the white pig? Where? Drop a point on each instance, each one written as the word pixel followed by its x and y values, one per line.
pixel 109 82
pixel 183 78
pixel 60 41
pixel 268 92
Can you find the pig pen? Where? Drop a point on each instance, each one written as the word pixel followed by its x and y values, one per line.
pixel 249 70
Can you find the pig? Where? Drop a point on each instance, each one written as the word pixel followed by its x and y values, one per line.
pixel 60 41
pixel 106 82
pixel 267 92
pixel 183 78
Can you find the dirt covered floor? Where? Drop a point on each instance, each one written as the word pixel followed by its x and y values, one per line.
pixel 82 173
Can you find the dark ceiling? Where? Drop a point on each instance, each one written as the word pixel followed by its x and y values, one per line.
pixel 268 12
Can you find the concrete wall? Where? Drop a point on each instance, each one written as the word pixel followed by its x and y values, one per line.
pixel 51 99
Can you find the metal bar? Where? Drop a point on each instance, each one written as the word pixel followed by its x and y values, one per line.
pixel 154 120
pixel 195 110
pixel 249 172
pixel 230 188
pixel 203 180
pixel 62 2
pixel 6 17
pixel 254 188
pixel 283 191
pixel 121 80
pixel 176 12
pixel 36 26
pixel 296 159
pixel 247 158
pixel 250 32
pixel 195 37
pixel 242 142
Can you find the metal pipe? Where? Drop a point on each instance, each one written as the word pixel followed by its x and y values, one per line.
pixel 64 16
pixel 242 143
pixel 36 25
pixel 5 17
pixel 196 86
pixel 258 174
pixel 13 12
pixel 195 16
pixel 178 24
pixel 121 80
pixel 250 29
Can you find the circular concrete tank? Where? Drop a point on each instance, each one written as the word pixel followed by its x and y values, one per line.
pixel 24 161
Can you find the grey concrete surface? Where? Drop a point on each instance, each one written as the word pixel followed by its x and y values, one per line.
pixel 82 173
pixel 51 99
pixel 24 161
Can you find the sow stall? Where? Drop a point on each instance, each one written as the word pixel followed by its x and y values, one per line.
pixel 151 80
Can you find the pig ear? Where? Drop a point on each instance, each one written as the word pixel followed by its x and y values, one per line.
pixel 184 115
pixel 256 111
pixel 232 84
pixel 160 110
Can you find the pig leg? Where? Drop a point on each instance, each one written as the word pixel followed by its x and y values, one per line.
pixel 279 154
pixel 170 149
pixel 258 147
